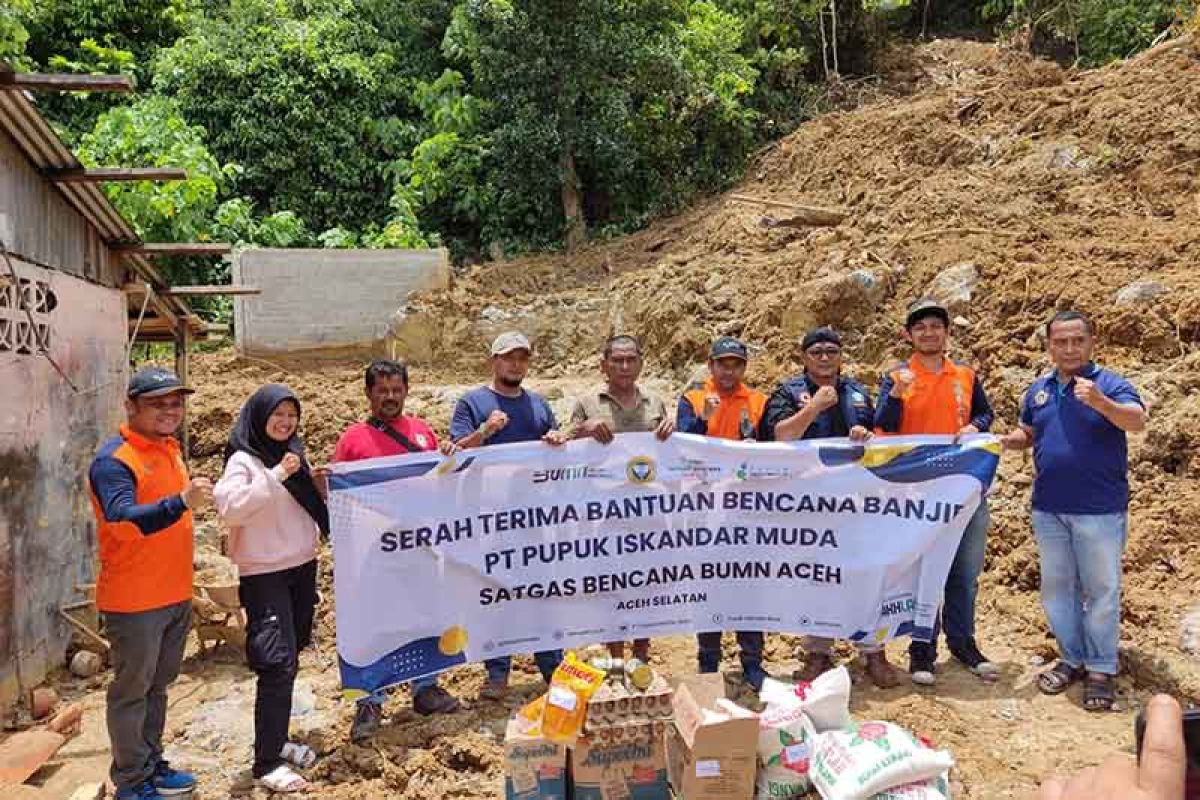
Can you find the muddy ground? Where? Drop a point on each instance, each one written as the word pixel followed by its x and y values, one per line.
pixel 1006 186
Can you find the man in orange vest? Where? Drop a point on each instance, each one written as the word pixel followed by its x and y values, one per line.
pixel 930 394
pixel 143 500
pixel 728 409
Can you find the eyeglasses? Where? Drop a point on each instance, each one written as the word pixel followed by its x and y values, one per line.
pixel 824 352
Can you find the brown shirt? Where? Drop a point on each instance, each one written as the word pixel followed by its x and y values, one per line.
pixel 646 415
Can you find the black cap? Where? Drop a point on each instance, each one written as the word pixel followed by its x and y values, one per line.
pixel 926 307
pixel 819 335
pixel 155 382
pixel 728 346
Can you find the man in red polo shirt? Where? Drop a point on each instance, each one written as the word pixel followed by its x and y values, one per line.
pixel 930 394
pixel 390 432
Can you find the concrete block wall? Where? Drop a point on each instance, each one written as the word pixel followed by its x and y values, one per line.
pixel 327 299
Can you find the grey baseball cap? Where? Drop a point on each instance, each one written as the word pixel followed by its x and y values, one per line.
pixel 155 382
pixel 507 342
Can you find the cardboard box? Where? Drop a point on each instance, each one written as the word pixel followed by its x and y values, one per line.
pixel 534 768
pixel 712 746
pixel 626 762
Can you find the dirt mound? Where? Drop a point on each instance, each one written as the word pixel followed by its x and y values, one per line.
pixel 1004 185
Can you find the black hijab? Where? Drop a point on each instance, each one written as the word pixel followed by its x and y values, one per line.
pixel 249 435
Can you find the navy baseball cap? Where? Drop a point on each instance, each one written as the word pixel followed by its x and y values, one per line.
pixel 155 382
pixel 727 346
pixel 926 307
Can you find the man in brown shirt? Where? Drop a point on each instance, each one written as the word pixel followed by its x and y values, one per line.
pixel 620 406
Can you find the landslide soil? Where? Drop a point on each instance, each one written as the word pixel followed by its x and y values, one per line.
pixel 1059 188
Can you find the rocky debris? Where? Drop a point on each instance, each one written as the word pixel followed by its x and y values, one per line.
pixel 1141 291
pixel 955 286
pixel 85 664
pixel 1189 635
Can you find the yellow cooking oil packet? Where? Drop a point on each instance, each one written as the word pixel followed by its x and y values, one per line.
pixel 573 684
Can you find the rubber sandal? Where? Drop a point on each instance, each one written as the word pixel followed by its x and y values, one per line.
pixel 283 780
pixel 1099 692
pixel 1059 678
pixel 298 755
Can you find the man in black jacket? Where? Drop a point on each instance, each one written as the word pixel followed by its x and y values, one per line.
pixel 819 404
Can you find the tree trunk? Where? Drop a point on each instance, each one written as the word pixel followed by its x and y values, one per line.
pixel 572 199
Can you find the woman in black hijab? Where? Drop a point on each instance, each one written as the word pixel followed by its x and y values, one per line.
pixel 270 502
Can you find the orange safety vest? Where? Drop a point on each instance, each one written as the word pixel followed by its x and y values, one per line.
pixel 726 422
pixel 142 572
pixel 936 402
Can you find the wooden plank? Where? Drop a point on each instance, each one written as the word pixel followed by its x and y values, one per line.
pixel 24 753
pixel 210 291
pixel 40 81
pixel 183 336
pixel 807 215
pixel 173 249
pixel 104 174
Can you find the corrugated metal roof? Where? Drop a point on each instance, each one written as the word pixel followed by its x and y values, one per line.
pixel 20 118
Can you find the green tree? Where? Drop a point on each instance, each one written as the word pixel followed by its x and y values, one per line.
pixel 13 34
pixel 303 96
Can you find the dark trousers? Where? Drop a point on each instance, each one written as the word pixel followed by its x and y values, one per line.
pixel 709 650
pixel 957 613
pixel 279 620
pixel 147 650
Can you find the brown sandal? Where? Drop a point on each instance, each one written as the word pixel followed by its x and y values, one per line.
pixel 880 671
pixel 1059 678
pixel 1099 692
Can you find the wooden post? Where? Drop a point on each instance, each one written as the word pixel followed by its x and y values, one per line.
pixel 183 338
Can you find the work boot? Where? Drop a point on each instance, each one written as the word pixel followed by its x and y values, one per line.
pixel 815 664
pixel 171 782
pixel 921 663
pixel 880 670
pixel 434 700
pixel 967 653
pixel 368 716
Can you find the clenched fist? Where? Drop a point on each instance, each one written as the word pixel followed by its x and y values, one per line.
pixel 902 381
pixel 825 397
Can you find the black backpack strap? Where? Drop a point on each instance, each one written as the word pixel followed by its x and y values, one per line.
pixel 393 434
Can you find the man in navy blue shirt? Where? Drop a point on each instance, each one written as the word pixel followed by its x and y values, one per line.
pixel 821 403
pixel 1076 418
pixel 503 413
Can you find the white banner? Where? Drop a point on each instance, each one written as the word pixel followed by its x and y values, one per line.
pixel 524 547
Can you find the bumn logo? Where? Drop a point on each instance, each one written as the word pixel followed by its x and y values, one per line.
pixel 640 469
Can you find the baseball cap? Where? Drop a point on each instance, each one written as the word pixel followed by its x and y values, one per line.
pixel 507 342
pixel 155 382
pixel 926 307
pixel 819 335
pixel 728 346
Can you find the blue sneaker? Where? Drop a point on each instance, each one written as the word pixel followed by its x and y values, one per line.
pixel 171 782
pixel 144 791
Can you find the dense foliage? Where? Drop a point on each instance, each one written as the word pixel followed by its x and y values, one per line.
pixel 485 125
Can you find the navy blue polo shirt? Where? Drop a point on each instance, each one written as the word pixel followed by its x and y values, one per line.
pixel 1081 458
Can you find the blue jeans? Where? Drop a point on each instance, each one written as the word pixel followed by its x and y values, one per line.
pixel 420 684
pixel 547 661
pixel 962 586
pixel 1080 557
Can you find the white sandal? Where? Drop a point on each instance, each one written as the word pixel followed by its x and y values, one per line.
pixel 283 780
pixel 298 755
